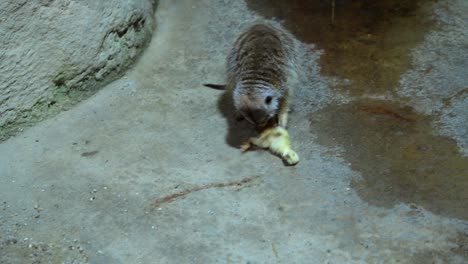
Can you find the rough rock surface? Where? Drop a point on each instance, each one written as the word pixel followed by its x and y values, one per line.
pixel 54 52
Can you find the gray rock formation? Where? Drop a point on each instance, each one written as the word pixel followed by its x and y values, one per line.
pixel 55 52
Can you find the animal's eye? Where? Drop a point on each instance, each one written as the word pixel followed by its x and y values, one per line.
pixel 268 100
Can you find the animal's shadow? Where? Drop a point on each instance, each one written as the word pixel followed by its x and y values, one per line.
pixel 239 131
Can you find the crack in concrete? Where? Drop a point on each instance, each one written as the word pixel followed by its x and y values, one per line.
pixel 169 198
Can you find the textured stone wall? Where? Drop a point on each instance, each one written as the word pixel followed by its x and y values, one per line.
pixel 55 52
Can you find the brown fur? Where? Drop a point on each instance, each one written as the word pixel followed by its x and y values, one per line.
pixel 258 68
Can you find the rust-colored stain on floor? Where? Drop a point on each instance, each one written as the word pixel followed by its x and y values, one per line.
pixel 169 198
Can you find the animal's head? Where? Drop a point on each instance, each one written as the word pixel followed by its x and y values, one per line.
pixel 257 106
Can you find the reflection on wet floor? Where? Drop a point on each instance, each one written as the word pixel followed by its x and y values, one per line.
pixel 398 156
pixel 396 150
pixel 368 42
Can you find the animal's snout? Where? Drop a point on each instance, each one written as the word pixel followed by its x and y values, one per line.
pixel 259 117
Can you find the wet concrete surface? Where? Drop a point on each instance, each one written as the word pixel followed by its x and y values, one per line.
pixel 399 157
pixel 366 43
pixel 147 170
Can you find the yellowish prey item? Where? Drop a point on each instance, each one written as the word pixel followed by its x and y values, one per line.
pixel 277 140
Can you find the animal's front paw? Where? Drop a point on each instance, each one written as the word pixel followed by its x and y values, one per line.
pixel 246 146
pixel 283 121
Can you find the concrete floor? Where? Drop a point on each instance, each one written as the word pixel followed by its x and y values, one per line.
pixel 148 170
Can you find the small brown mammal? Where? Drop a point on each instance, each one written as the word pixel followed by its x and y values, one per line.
pixel 277 140
pixel 258 69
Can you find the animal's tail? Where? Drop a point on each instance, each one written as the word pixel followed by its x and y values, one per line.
pixel 216 86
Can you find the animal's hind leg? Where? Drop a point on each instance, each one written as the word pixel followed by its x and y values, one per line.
pixel 246 146
pixel 260 142
pixel 253 141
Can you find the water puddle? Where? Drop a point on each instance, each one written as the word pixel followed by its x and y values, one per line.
pixel 367 43
pixel 398 156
